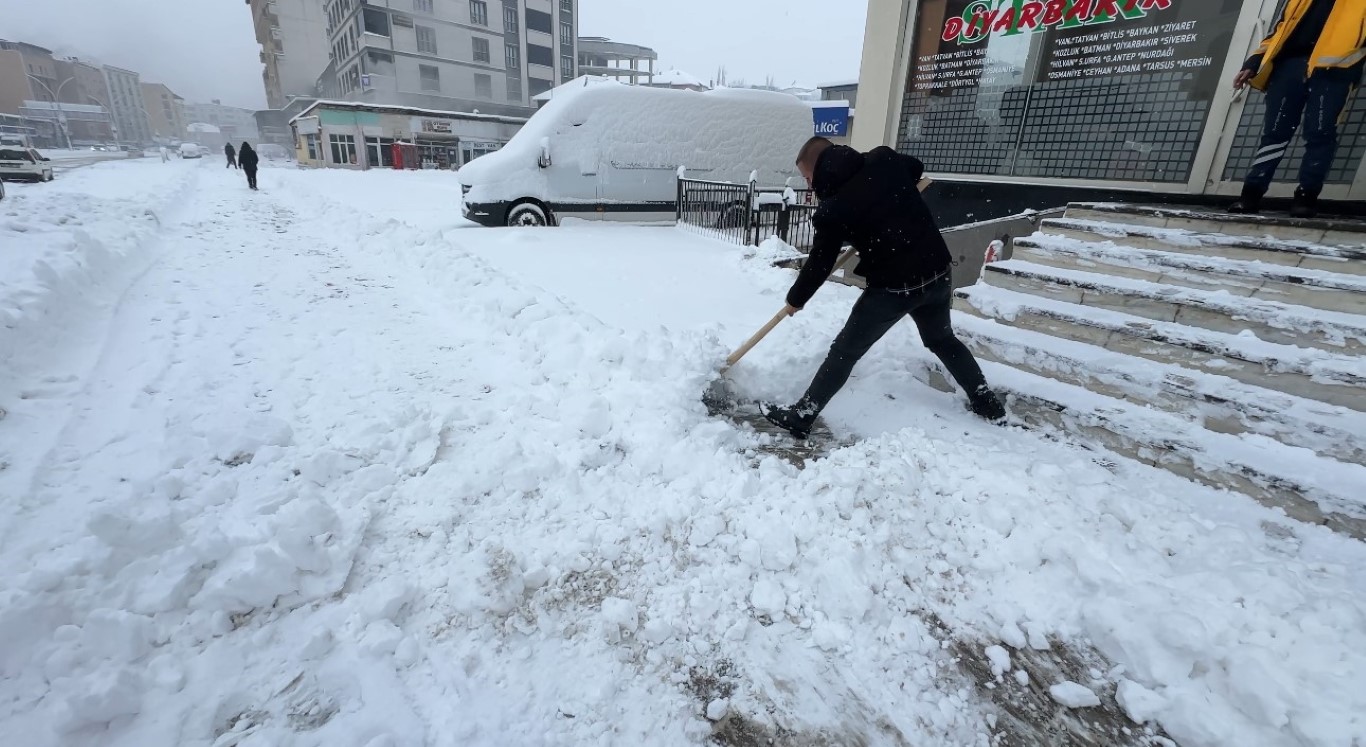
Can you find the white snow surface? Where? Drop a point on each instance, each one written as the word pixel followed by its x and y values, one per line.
pixel 292 469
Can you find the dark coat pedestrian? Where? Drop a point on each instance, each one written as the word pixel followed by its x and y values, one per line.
pixel 872 201
pixel 247 157
pixel 232 156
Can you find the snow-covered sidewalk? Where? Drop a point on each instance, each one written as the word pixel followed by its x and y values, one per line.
pixel 289 471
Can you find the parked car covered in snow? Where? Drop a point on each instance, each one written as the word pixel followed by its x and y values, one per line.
pixel 191 150
pixel 24 164
pixel 609 151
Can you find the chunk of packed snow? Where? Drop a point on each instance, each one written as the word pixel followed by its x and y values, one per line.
pixel 1073 695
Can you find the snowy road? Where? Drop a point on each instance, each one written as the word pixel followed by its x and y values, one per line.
pixel 300 467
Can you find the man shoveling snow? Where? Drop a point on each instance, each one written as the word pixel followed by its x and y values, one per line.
pixel 871 201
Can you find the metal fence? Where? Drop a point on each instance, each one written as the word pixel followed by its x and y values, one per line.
pixel 744 214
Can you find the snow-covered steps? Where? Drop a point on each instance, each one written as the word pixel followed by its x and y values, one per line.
pixel 1217 311
pixel 1349 259
pixel 1327 231
pixel 1309 373
pixel 1211 401
pixel 1308 487
pixel 1319 289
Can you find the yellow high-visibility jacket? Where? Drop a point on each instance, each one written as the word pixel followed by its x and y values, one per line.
pixel 1342 44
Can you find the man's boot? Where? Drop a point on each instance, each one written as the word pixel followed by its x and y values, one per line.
pixel 986 405
pixel 797 419
pixel 1250 203
pixel 1306 204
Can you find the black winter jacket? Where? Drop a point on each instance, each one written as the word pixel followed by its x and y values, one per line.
pixel 247 157
pixel 872 201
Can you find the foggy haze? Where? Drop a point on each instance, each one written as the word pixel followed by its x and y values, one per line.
pixel 206 49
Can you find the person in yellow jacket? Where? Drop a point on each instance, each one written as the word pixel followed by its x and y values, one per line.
pixel 1308 67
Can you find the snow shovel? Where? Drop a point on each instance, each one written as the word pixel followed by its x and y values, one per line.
pixel 720 395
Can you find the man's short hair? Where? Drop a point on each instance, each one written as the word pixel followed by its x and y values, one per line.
pixel 812 150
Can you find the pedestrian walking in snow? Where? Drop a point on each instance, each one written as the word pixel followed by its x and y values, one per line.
pixel 232 156
pixel 871 201
pixel 1308 67
pixel 247 158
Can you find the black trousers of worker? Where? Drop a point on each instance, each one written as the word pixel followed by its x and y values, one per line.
pixel 876 312
pixel 251 176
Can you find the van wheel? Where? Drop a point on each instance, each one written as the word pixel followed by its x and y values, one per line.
pixel 527 214
pixel 732 216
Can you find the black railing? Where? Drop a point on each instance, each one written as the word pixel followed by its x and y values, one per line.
pixel 744 214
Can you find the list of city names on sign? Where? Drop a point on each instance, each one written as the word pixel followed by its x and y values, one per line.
pixel 1169 46
pixel 1145 49
pixel 964 67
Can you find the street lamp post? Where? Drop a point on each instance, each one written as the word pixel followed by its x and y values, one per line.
pixel 113 126
pixel 57 104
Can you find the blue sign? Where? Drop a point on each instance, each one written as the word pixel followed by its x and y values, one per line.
pixel 831 121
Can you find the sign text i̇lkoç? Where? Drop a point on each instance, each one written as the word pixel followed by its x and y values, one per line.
pixel 982 18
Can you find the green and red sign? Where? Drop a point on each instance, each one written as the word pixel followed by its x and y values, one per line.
pixel 983 18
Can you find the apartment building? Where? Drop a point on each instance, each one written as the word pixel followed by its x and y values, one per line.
pixel 293 35
pixel 126 101
pixel 165 110
pixel 489 56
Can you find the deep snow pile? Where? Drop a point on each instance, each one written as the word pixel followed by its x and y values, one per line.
pixel 339 481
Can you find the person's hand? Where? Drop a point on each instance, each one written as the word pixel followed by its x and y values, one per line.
pixel 1240 80
pixel 791 310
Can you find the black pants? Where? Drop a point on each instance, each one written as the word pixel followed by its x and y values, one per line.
pixel 232 162
pixel 1291 96
pixel 876 312
pixel 251 176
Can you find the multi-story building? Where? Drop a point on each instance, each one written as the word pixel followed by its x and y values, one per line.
pixel 50 96
pixel 165 110
pixel 629 63
pixel 294 46
pixel 235 125
pixel 489 56
pixel 126 101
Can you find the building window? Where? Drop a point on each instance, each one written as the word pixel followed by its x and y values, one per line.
pixel 426 39
pixel 431 77
pixel 536 86
pixel 481 50
pixel 379 152
pixel 422 6
pixel 483 86
pixel 567 6
pixel 566 67
pixel 538 55
pixel 515 88
pixel 313 151
pixel 512 56
pixel 539 21
pixel 376 22
pixel 479 12
pixel 343 148
pixel 510 23
pixel 567 35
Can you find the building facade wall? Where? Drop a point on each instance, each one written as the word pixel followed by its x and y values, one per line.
pixel 165 110
pixel 1139 101
pixel 15 87
pixel 454 55
pixel 126 100
pixel 332 138
pixel 294 45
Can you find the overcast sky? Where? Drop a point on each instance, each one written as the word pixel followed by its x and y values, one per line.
pixel 205 49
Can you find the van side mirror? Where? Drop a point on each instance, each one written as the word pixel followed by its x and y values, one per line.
pixel 544 160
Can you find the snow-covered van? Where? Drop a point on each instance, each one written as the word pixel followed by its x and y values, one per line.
pixel 609 151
